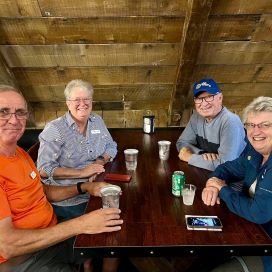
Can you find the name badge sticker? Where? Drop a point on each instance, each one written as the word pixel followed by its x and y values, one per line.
pixel 33 174
pixel 95 131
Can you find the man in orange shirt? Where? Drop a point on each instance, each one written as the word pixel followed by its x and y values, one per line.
pixel 29 234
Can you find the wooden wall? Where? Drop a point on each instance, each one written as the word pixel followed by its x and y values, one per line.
pixel 141 56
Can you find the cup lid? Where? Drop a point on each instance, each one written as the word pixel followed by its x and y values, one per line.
pixel 107 188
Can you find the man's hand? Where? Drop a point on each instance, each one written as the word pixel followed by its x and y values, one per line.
pixel 92 169
pixel 93 188
pixel 210 156
pixel 185 154
pixel 98 221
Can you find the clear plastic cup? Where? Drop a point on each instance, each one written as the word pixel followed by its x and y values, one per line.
pixel 110 196
pixel 188 194
pixel 131 156
pixel 164 149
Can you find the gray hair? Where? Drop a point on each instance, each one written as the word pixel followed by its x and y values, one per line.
pixel 258 105
pixel 77 83
pixel 5 88
pixel 8 88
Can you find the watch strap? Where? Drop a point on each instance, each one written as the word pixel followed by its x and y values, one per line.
pixel 79 188
pixel 101 158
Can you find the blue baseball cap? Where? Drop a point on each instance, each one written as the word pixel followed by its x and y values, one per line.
pixel 206 85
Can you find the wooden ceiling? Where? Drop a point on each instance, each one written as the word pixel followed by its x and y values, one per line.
pixel 141 56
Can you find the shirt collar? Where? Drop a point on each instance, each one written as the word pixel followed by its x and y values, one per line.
pixel 72 122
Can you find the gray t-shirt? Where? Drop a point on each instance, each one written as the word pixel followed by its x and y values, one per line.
pixel 224 135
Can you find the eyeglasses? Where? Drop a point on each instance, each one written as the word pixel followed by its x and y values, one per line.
pixel 262 126
pixel 86 100
pixel 20 114
pixel 209 98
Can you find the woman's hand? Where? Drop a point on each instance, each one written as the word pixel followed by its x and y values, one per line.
pixel 210 196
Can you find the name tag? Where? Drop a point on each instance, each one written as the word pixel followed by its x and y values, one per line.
pixel 33 174
pixel 95 131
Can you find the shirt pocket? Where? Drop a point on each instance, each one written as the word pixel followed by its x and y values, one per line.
pixel 99 145
pixel 72 156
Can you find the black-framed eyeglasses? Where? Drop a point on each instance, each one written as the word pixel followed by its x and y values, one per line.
pixel 86 100
pixel 209 98
pixel 20 114
pixel 262 126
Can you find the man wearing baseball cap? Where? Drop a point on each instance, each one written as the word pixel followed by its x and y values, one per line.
pixel 214 134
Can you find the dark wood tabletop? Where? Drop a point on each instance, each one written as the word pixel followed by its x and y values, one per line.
pixel 154 219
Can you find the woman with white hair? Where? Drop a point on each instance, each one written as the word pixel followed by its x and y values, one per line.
pixel 74 149
pixel 254 167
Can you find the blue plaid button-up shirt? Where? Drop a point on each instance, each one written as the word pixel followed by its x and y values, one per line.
pixel 62 145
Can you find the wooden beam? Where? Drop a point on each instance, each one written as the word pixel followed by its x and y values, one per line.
pixel 194 27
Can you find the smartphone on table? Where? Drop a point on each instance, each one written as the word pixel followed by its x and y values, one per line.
pixel 200 222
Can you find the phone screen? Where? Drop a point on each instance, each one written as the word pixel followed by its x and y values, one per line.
pixel 206 222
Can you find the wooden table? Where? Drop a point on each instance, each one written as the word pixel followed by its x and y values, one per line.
pixel 154 219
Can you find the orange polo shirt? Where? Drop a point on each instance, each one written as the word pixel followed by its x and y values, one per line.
pixel 21 194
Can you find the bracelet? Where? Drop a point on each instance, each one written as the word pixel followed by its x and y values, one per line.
pixel 78 185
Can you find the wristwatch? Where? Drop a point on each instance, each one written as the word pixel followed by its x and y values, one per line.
pixel 79 188
pixel 101 158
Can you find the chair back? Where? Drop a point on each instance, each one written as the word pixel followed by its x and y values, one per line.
pixel 33 151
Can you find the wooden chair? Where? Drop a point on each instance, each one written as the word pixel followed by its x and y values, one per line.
pixel 33 151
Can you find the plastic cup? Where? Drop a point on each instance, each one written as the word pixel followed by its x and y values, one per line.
pixel 188 194
pixel 164 149
pixel 131 158
pixel 110 196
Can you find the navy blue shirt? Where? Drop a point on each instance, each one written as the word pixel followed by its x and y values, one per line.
pixel 257 209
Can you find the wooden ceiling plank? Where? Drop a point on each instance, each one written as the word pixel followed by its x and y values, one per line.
pixel 20 31
pixel 6 75
pixel 233 73
pixel 264 29
pixel 241 7
pixel 237 52
pixel 90 55
pixel 116 8
pixel 194 28
pixel 130 93
pixel 98 76
pixel 231 28
pixel 19 8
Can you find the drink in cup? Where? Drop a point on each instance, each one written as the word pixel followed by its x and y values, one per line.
pixel 110 196
pixel 131 158
pixel 164 149
pixel 188 194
